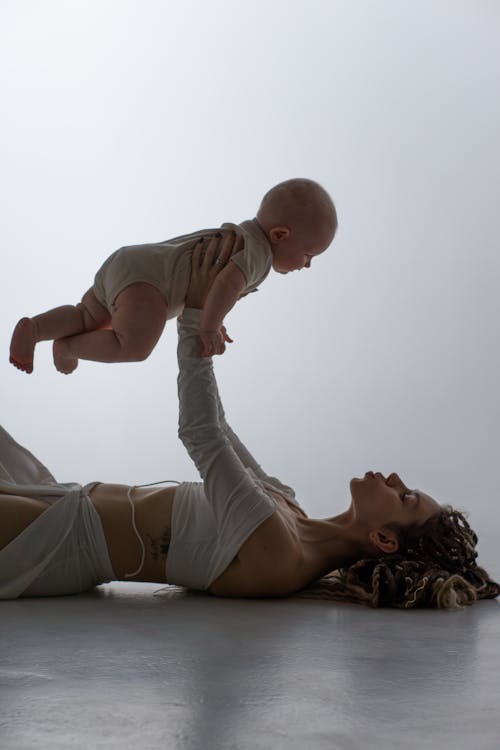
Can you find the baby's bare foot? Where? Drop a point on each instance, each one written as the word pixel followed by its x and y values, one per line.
pixel 22 345
pixel 62 361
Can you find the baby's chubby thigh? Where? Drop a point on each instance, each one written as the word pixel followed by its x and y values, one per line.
pixel 138 319
pixel 95 315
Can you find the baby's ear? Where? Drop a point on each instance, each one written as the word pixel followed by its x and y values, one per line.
pixel 279 233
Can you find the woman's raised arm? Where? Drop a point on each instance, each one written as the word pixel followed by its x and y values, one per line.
pixel 204 270
pixel 233 493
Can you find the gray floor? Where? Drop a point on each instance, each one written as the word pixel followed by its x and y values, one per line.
pixel 121 668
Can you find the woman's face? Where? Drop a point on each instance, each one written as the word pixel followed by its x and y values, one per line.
pixel 377 501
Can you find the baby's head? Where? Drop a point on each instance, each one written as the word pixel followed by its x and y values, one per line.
pixel 299 220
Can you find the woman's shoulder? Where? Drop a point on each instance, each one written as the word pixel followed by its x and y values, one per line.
pixel 269 563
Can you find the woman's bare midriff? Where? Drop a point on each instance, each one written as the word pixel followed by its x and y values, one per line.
pixel 153 519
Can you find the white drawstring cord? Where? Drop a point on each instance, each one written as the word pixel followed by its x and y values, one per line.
pixel 129 498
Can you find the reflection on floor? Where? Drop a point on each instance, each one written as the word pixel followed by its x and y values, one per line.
pixel 119 667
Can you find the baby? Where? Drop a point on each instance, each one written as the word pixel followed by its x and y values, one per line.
pixel 140 287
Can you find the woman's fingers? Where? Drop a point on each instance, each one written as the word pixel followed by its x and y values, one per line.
pixel 196 260
pixel 211 255
pixel 220 250
pixel 228 242
pixel 210 250
pixel 227 248
pixel 239 244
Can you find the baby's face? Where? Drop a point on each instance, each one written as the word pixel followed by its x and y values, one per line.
pixel 295 254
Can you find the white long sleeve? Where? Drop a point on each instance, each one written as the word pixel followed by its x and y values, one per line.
pixel 220 457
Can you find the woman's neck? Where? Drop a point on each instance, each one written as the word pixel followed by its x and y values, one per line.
pixel 329 543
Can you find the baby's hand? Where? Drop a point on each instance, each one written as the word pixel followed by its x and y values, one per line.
pixel 214 342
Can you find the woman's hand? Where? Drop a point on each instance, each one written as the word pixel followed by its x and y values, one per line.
pixel 208 261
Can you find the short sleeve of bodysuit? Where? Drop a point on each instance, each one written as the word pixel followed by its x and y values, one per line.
pixel 255 259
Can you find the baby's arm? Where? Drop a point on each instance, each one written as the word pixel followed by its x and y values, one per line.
pixel 223 295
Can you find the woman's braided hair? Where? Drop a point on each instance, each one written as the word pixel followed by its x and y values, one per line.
pixel 435 566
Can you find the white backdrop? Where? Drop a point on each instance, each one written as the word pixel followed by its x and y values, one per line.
pixel 129 121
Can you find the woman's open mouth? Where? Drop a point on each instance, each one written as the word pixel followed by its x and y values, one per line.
pixel 373 475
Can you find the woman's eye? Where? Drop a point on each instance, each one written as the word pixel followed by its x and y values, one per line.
pixel 407 493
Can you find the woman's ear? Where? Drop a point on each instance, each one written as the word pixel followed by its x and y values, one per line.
pixel 384 540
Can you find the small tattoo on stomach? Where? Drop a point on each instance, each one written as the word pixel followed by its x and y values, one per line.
pixel 159 545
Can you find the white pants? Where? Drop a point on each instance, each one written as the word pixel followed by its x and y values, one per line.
pixel 64 550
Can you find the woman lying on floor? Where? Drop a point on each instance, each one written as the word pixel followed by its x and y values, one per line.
pixel 240 533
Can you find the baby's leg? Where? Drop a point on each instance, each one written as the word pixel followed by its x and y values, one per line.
pixel 53 324
pixel 136 325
